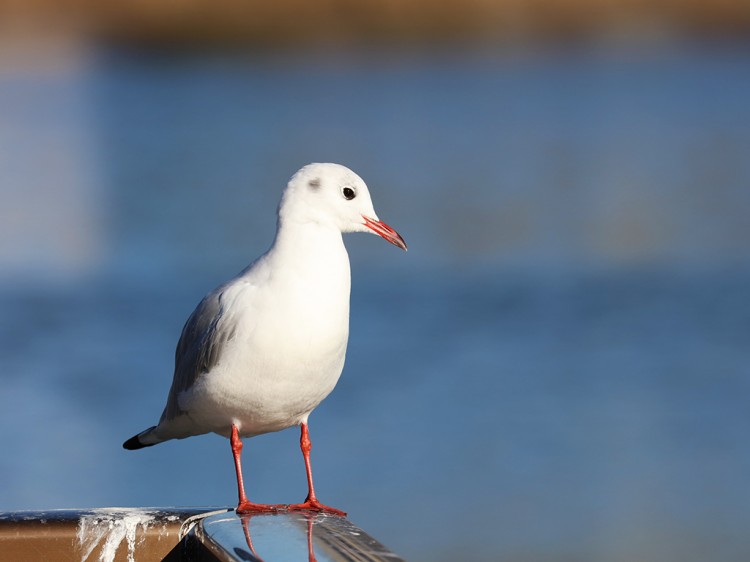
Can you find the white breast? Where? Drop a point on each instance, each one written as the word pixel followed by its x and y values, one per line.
pixel 289 345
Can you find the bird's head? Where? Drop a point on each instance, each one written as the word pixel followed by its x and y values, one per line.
pixel 333 195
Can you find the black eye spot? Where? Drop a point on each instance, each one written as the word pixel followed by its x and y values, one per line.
pixel 349 193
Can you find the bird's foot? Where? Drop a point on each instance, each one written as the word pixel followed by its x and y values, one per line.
pixel 250 507
pixel 315 505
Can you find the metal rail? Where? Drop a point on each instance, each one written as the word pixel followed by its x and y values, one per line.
pixel 178 535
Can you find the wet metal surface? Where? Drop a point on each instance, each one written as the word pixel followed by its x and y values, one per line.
pixel 288 536
pixel 103 535
pixel 179 535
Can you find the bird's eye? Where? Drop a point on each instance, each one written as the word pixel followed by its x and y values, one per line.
pixel 349 193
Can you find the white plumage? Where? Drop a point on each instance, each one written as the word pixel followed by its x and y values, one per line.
pixel 260 352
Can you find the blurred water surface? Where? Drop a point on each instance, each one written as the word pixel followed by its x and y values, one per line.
pixel 558 369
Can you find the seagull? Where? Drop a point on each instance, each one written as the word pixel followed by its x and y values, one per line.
pixel 260 352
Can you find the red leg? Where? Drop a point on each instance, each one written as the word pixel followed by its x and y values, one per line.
pixel 311 502
pixel 244 506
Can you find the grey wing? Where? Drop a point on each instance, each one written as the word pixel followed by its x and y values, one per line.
pixel 200 346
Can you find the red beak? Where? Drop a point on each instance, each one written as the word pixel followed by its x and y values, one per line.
pixel 382 229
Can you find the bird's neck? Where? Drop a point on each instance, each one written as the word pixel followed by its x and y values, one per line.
pixel 312 245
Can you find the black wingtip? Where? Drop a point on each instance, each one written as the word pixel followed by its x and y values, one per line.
pixel 134 443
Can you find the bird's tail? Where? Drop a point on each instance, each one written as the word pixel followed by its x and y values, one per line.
pixel 143 439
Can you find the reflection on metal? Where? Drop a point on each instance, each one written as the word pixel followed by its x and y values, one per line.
pixel 130 534
pixel 296 535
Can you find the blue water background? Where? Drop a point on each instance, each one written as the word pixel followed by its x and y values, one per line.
pixel 558 369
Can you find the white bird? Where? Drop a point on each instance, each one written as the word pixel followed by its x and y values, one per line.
pixel 260 352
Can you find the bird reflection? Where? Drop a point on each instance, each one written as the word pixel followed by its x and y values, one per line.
pixel 253 556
